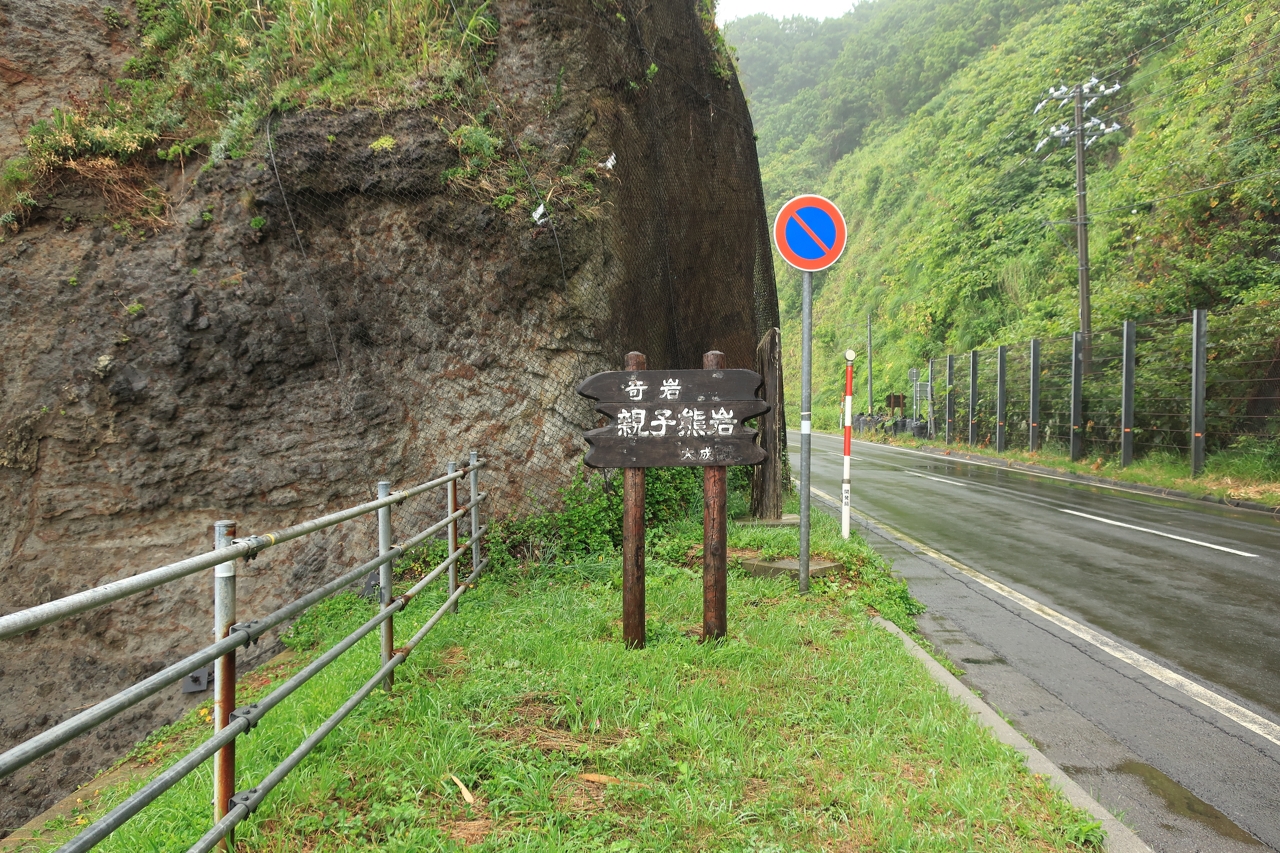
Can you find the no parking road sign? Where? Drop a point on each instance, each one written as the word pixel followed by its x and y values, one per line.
pixel 809 233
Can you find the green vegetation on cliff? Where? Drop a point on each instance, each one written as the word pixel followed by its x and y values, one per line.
pixel 917 118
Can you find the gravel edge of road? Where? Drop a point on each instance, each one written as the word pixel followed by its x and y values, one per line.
pixel 1120 838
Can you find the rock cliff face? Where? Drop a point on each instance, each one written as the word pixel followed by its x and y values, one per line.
pixel 323 314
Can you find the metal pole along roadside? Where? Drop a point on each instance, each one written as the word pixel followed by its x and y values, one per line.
pixel 474 479
pixel 1077 396
pixel 848 441
pixel 806 421
pixel 224 671
pixel 1126 393
pixel 1001 396
pixel 1199 363
pixel 973 397
pixel 451 497
pixel 386 580
pixel 810 234
pixel 1033 404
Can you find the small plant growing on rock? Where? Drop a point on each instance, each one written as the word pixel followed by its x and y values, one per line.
pixel 383 143
pixel 135 308
pixel 258 223
pixel 113 19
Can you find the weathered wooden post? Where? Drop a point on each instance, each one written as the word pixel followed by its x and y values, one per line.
pixel 768 480
pixel 671 419
pixel 715 490
pixel 633 541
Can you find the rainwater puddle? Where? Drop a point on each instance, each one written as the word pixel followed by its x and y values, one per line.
pixel 1182 802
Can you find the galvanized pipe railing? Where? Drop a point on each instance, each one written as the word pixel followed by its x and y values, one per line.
pixel 241 635
pixel 55 611
pixel 231 810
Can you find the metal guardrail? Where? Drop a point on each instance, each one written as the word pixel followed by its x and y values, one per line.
pixel 231 808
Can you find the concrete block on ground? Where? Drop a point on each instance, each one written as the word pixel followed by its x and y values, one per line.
pixel 787 520
pixel 791 566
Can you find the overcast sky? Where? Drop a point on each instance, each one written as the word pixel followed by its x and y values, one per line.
pixel 727 10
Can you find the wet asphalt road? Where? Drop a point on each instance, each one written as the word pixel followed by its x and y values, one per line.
pixel 1187 777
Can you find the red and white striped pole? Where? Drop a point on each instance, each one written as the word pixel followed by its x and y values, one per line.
pixel 848 441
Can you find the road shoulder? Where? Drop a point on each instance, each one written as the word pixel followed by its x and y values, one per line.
pixel 1120 839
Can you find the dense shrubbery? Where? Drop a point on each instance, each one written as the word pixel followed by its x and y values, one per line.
pixel 953 242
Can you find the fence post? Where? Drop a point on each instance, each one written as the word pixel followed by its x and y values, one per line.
pixel 475 512
pixel 929 416
pixel 1033 405
pixel 951 397
pixel 224 672
pixel 451 498
pixel 1077 396
pixel 871 397
pixel 973 397
pixel 633 541
pixel 385 581
pixel 1126 393
pixel 1199 363
pixel 1001 398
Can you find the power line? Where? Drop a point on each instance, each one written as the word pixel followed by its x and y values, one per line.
pixel 1190 80
pixel 1155 201
pixel 1162 41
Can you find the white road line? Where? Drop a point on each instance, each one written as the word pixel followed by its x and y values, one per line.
pixel 939 479
pixel 1158 533
pixel 1206 697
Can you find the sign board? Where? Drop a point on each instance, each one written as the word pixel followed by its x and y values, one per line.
pixel 674 418
pixel 810 233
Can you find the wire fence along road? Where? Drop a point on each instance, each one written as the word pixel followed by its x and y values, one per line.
pixel 232 807
pixel 1183 386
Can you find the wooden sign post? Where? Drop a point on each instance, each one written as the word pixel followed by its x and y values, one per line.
pixel 667 419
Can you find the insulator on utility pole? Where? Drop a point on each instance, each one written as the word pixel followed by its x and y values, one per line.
pixel 1083 132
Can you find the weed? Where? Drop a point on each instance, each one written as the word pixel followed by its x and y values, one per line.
pixel 258 223
pixel 134 309
pixel 383 143
pixel 74 281
pixel 113 19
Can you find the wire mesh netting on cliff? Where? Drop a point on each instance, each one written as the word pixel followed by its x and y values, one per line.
pixel 463 274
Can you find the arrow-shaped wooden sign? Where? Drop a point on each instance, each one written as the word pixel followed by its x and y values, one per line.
pixel 674 418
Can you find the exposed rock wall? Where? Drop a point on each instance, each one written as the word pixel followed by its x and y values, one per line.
pixel 375 325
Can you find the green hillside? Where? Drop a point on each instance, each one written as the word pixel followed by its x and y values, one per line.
pixel 918 118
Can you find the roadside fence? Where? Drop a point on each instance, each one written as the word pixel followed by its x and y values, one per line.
pixel 1184 385
pixel 448 505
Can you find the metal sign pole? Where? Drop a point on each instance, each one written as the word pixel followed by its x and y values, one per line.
pixel 848 441
pixel 806 426
pixel 810 234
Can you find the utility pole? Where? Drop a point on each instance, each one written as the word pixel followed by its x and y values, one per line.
pixel 1082 232
pixel 1084 132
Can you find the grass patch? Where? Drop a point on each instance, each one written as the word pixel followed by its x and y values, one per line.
pixel 523 724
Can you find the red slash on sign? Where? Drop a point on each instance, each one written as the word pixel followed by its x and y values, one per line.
pixel 796 219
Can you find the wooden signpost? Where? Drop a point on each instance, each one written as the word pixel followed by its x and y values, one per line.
pixel 671 419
